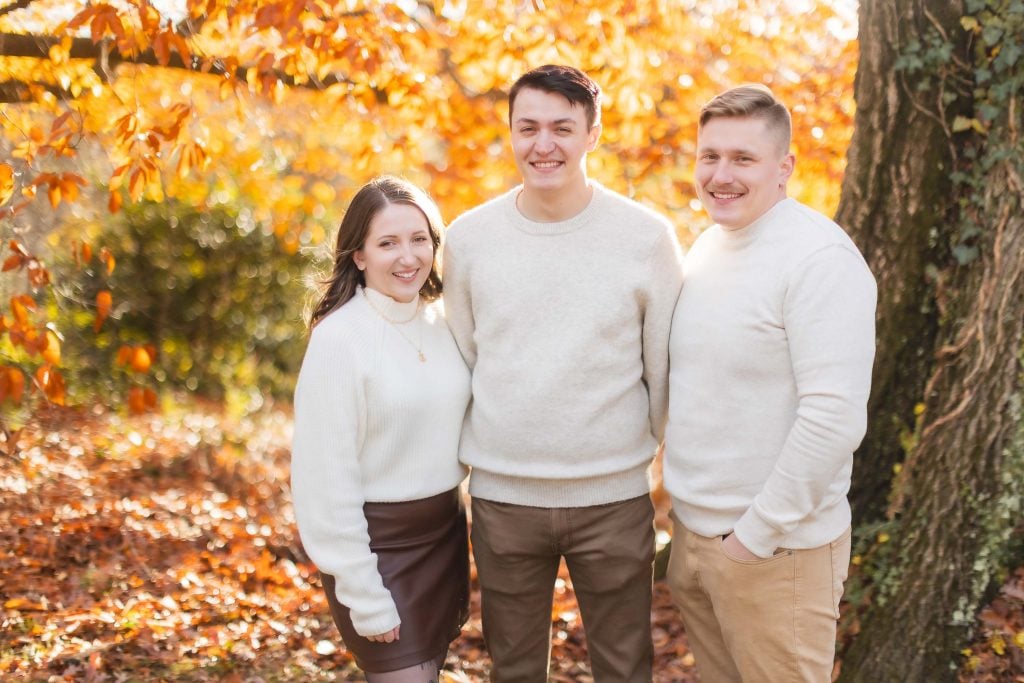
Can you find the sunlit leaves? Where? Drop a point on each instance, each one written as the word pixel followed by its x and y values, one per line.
pixel 6 183
pixel 283 108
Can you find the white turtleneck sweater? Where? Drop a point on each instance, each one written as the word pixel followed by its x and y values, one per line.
pixel 372 424
pixel 565 326
pixel 772 345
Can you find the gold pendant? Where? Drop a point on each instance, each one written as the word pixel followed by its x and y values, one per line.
pixel 423 359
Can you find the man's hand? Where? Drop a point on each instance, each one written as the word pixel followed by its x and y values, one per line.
pixel 389 637
pixel 736 550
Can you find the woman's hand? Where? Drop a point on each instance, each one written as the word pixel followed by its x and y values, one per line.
pixel 389 637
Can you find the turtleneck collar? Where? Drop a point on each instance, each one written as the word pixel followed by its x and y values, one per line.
pixel 390 309
pixel 741 237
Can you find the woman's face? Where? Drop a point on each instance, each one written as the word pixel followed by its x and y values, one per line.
pixel 398 253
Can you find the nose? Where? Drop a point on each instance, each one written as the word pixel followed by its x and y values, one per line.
pixel 408 254
pixel 545 142
pixel 722 174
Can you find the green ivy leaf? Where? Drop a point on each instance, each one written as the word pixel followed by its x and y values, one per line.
pixel 991 34
pixel 964 254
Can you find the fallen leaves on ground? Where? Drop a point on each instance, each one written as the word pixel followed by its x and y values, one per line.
pixel 163 548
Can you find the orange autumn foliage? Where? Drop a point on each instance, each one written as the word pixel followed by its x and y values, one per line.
pixel 286 107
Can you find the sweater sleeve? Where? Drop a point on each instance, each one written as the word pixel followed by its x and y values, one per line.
pixel 829 316
pixel 330 418
pixel 458 304
pixel 665 277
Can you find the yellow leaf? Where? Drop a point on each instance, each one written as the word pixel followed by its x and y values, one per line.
pixel 998 644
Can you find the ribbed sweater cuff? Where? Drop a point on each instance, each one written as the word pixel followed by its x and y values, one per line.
pixel 560 493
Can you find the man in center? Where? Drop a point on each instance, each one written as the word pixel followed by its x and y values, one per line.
pixel 560 295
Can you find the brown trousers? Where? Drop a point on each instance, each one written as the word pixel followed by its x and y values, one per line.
pixel 609 551
pixel 749 621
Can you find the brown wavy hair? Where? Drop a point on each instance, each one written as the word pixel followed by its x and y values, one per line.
pixel 371 199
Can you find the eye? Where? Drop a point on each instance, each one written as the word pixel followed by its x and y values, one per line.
pixel 420 238
pixel 565 131
pixel 386 243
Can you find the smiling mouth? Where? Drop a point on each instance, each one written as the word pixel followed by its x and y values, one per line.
pixel 726 195
pixel 406 274
pixel 545 164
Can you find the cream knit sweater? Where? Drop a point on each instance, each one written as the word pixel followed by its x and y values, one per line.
pixel 565 327
pixel 372 423
pixel 772 346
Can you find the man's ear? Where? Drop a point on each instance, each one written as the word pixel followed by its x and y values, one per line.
pixel 593 136
pixel 786 166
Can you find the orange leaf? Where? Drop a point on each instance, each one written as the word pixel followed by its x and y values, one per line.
pixel 52 384
pixel 12 384
pixel 141 361
pixel 19 307
pixel 54 194
pixel 14 261
pixel 149 398
pixel 162 49
pixel 103 303
pixel 124 354
pixel 86 252
pixel 136 401
pixel 107 258
pixel 51 350
pixel 6 183
pixel 114 204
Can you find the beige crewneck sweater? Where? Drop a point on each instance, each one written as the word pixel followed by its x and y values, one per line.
pixel 372 423
pixel 565 327
pixel 772 345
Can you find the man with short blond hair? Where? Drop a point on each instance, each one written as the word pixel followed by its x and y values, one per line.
pixel 771 354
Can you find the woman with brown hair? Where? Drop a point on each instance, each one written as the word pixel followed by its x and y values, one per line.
pixel 379 407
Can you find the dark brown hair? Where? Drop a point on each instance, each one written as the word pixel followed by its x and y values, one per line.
pixel 754 101
pixel 567 81
pixel 371 199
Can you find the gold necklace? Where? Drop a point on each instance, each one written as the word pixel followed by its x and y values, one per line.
pixel 395 324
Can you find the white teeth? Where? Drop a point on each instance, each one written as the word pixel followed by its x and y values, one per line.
pixel 725 195
pixel 546 164
pixel 408 275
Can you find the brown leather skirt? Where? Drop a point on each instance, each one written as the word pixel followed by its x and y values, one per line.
pixel 423 556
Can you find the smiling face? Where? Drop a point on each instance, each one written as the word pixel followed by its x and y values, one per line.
pixel 398 253
pixel 550 141
pixel 741 171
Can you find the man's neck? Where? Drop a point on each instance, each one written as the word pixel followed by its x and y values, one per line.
pixel 555 206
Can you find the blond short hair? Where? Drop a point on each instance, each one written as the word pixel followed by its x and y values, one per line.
pixel 753 101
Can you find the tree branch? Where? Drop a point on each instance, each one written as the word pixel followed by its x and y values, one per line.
pixel 38 47
pixel 19 4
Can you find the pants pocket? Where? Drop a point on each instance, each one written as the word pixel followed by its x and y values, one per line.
pixel 839 550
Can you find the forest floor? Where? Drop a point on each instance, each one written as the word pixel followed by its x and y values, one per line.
pixel 163 548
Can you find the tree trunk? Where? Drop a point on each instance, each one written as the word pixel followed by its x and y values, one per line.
pixel 958 496
pixel 896 191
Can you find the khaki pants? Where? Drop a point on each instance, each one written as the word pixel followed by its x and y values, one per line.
pixel 761 620
pixel 609 551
